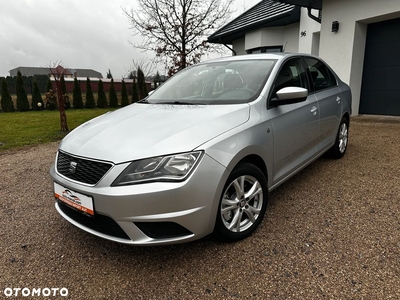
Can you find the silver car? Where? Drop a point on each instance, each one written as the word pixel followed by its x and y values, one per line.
pixel 200 154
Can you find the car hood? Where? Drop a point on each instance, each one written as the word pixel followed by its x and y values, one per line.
pixel 146 130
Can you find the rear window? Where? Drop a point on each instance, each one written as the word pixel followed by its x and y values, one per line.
pixel 322 78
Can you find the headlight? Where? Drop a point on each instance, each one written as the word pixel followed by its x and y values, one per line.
pixel 162 168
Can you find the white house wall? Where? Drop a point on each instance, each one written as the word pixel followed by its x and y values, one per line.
pixel 238 46
pixel 285 36
pixel 309 29
pixel 344 50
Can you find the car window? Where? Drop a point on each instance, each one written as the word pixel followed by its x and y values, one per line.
pixel 227 82
pixel 321 76
pixel 292 74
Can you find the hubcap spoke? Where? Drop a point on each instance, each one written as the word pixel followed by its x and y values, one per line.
pixel 254 191
pixel 235 223
pixel 238 184
pixel 250 215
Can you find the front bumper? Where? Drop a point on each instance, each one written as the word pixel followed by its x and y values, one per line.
pixel 150 213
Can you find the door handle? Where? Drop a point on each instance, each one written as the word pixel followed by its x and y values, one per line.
pixel 314 110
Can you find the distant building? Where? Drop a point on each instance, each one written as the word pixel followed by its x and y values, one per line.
pixel 59 70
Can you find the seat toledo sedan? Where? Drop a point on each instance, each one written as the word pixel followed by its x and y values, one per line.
pixel 200 154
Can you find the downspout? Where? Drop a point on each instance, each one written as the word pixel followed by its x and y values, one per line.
pixel 234 52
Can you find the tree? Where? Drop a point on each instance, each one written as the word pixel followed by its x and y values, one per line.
pixel 101 96
pixel 135 94
pixel 142 84
pixel 37 101
pixel 89 95
pixel 124 95
pixel 22 98
pixel 7 104
pixel 176 30
pixel 113 95
pixel 63 86
pixel 77 95
pixel 57 73
pixel 109 75
pixel 49 85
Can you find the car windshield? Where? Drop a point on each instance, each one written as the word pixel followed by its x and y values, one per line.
pixel 224 82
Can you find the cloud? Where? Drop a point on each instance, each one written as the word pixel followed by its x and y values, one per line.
pixel 82 34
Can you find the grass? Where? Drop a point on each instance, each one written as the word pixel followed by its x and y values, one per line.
pixel 20 129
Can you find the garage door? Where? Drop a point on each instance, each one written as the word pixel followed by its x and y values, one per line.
pixel 380 90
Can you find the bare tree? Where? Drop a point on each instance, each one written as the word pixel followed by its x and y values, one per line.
pixel 57 71
pixel 177 29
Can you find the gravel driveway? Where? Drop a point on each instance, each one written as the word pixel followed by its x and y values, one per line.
pixel 331 232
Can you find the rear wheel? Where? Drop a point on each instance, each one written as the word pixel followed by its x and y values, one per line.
pixel 243 203
pixel 339 148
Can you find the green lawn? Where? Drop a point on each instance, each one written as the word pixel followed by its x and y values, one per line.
pixel 21 129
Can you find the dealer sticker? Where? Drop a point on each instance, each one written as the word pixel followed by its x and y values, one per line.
pixel 74 199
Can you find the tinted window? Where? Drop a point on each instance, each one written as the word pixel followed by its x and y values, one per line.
pixel 292 73
pixel 322 78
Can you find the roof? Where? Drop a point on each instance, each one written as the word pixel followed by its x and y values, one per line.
pixel 31 71
pixel 316 4
pixel 266 13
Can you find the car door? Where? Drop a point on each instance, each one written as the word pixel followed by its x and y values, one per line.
pixel 328 94
pixel 295 126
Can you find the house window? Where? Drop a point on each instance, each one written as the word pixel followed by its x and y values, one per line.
pixel 270 49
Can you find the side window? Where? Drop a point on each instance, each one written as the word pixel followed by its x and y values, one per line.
pixel 292 73
pixel 322 78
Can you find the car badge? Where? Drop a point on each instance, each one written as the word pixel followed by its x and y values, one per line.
pixel 72 167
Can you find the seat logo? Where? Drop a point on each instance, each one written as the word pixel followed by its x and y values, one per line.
pixel 72 167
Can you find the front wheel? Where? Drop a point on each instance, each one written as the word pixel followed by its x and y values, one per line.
pixel 339 148
pixel 243 203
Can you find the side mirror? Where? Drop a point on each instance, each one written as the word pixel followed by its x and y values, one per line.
pixel 290 95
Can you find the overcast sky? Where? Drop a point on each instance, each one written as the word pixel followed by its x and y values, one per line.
pixel 82 34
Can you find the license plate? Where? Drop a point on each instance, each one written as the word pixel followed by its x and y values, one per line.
pixel 74 199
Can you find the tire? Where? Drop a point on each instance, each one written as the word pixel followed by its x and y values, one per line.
pixel 243 203
pixel 342 138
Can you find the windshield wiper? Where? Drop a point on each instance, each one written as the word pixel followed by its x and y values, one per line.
pixel 142 101
pixel 181 103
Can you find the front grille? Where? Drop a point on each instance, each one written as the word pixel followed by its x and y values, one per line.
pixel 162 230
pixel 86 171
pixel 99 223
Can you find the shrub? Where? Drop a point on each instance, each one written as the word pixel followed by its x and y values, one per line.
pixel 124 95
pixel 113 95
pixel 89 95
pixel 22 98
pixel 7 104
pixel 77 95
pixel 101 98
pixel 37 101
pixel 135 94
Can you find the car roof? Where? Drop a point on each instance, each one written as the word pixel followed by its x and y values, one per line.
pixel 275 56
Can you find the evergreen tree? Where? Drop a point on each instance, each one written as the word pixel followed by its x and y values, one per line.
pixel 77 95
pixel 135 94
pixel 89 95
pixel 49 85
pixel 124 95
pixel 113 95
pixel 7 104
pixel 101 98
pixel 109 75
pixel 37 100
pixel 142 84
pixel 22 98
pixel 63 86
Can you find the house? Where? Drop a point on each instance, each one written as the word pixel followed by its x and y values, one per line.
pixel 68 73
pixel 359 39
